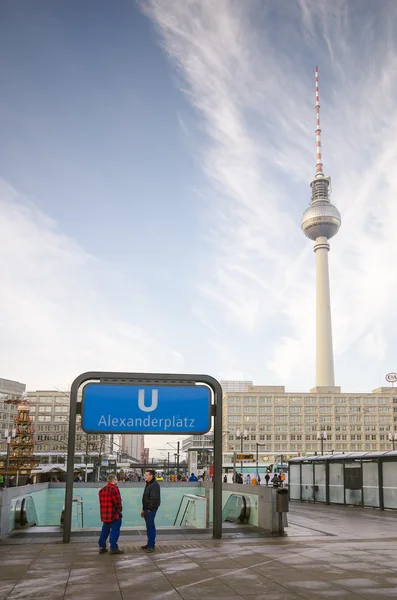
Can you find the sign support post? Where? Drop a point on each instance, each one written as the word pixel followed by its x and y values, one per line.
pixel 162 381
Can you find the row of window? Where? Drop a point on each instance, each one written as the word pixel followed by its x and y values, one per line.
pixel 306 400
pixel 382 419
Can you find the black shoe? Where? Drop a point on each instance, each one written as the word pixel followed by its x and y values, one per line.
pixel 102 550
pixel 116 551
pixel 144 547
pixel 149 550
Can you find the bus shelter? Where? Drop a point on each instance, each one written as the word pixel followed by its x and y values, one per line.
pixel 355 478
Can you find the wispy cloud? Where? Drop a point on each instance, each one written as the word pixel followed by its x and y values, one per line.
pixel 247 68
pixel 58 316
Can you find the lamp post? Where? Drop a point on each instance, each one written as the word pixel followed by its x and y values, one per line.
pixel 9 434
pixel 393 438
pixel 322 435
pixel 241 435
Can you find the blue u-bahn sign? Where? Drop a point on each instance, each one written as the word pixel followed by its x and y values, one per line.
pixel 150 409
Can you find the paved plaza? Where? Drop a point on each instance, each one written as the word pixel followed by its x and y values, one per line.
pixel 330 552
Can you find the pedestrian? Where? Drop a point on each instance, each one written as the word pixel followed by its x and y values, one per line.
pixel 193 477
pixel 267 477
pixel 258 478
pixel 248 480
pixel 225 479
pixel 282 479
pixel 111 516
pixel 276 481
pixel 150 503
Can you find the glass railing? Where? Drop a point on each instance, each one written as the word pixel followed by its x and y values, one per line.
pixel 191 512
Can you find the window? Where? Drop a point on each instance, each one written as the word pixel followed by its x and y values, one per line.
pixel 354 400
pixel 309 400
pixel 280 409
pixel 340 409
pixel 294 419
pixel 265 400
pixel 295 409
pixel 46 399
pixel 325 409
pixel 340 401
pixel 250 419
pixel 234 400
pixel 280 419
pixel 249 399
pixel 325 400
pixel 280 401
pixel 310 419
pixel 232 419
pixel 296 400
pixel 310 409
pixel 355 409
pixel 265 419
pixel 234 409
pixel 265 409
pixel 249 409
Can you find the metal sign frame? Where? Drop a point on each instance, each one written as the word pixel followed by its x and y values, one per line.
pixel 146 379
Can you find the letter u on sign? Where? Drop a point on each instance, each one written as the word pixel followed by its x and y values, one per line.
pixel 154 403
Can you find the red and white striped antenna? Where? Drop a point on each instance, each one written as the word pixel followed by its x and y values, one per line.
pixel 319 163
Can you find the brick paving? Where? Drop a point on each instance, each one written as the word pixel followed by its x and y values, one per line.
pixel 345 554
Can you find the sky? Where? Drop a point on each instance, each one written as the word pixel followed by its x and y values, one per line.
pixel 155 162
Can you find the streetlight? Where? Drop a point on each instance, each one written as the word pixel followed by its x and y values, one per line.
pixel 322 435
pixel 9 434
pixel 393 438
pixel 241 435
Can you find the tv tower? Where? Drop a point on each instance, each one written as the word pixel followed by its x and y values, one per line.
pixel 320 222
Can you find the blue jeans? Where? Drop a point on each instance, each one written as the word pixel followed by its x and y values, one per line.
pixel 150 527
pixel 114 529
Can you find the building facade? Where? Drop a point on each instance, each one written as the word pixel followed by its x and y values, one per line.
pixel 285 423
pixel 49 411
pixel 9 390
pixel 131 446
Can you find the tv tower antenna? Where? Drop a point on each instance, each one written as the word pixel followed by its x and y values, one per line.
pixel 320 222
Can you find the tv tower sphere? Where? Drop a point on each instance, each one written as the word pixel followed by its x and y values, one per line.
pixel 321 218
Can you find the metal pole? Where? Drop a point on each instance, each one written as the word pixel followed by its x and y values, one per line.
pixel 234 468
pixel 217 477
pixel 168 464
pixel 322 445
pixel 67 522
pixel 7 461
pixel 257 462
pixel 177 460
pixel 242 443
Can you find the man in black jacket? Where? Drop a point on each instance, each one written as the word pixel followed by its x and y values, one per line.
pixel 150 504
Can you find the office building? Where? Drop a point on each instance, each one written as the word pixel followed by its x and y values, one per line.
pixel 131 446
pixel 9 390
pixel 285 422
pixel 50 413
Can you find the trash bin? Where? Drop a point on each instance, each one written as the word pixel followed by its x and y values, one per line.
pixel 282 503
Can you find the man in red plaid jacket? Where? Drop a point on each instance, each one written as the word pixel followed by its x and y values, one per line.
pixel 111 515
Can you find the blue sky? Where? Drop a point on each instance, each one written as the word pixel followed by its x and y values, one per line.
pixel 155 162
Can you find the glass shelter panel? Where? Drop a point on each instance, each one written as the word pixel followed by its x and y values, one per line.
pixel 371 484
pixel 336 483
pixel 307 482
pixel 294 482
pixel 389 484
pixel 353 483
pixel 319 482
